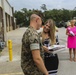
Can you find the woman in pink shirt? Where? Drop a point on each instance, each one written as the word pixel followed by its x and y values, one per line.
pixel 71 40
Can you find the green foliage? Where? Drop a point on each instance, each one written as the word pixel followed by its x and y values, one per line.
pixel 56 14
pixel 19 16
pixel 43 7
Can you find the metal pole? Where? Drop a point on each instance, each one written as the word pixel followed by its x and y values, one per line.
pixel 10 50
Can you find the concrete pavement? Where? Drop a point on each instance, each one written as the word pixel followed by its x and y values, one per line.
pixel 13 68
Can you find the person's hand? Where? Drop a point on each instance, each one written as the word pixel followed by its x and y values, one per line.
pixel 70 35
pixel 46 73
pixel 45 48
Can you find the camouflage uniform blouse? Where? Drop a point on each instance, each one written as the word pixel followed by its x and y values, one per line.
pixel 30 41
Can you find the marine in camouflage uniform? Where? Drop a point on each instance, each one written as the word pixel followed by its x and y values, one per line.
pixel 30 41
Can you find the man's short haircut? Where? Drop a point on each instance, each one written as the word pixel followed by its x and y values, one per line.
pixel 33 16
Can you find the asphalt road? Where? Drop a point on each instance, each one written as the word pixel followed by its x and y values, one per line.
pixel 13 67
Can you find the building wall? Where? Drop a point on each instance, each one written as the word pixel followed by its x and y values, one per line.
pixel 6 16
pixel 1 25
pixel 0 3
pixel 8 8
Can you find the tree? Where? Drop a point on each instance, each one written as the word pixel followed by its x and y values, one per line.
pixel 24 10
pixel 19 17
pixel 74 8
pixel 74 13
pixel 57 15
pixel 66 15
pixel 43 7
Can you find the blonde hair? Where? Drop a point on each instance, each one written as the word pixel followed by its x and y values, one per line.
pixel 68 23
pixel 51 33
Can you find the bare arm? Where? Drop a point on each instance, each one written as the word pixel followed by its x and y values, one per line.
pixel 35 49
pixel 67 33
pixel 39 62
